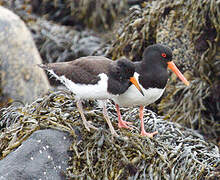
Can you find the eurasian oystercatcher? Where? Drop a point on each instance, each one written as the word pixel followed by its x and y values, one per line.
pixel 151 74
pixel 94 77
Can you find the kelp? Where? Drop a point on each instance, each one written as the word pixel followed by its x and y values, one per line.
pixel 175 153
pixel 191 28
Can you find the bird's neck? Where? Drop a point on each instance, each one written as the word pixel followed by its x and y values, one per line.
pixel 149 67
pixel 152 75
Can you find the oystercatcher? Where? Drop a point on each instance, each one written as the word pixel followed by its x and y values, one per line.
pixel 152 77
pixel 94 77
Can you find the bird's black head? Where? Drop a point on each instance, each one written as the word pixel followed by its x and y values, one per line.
pixel 157 54
pixel 156 59
pixel 125 69
pixel 122 77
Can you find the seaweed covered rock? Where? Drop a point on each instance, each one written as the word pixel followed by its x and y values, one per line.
pixel 18 59
pixel 97 15
pixel 191 28
pixel 44 155
pixel 175 153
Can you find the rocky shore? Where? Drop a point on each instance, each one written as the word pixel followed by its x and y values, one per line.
pixel 41 132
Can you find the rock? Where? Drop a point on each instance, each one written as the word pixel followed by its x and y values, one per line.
pixel 42 156
pixel 87 44
pixel 21 79
pixel 59 43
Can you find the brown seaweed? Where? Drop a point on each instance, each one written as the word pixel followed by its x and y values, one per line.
pixel 176 152
pixel 97 15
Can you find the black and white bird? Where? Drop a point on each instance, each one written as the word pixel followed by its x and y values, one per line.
pixel 152 76
pixel 95 77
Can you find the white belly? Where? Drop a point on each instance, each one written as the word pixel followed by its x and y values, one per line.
pixel 91 91
pixel 132 97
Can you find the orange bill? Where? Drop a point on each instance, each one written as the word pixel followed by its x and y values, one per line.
pixel 173 67
pixel 134 81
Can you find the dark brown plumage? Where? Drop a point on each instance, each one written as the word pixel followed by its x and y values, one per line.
pixel 84 70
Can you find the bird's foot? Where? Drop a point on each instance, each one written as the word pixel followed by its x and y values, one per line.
pixel 114 134
pixel 88 126
pixel 150 135
pixel 124 124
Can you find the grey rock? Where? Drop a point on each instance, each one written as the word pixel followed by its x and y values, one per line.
pixel 21 79
pixel 59 43
pixel 42 156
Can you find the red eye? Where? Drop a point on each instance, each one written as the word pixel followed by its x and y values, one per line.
pixel 164 55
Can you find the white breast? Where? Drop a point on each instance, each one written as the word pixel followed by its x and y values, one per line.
pixel 83 91
pixel 133 97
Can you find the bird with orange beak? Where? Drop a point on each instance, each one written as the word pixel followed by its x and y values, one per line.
pixel 152 76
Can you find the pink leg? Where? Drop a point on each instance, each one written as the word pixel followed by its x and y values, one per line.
pixel 85 122
pixel 121 123
pixel 143 132
pixel 105 113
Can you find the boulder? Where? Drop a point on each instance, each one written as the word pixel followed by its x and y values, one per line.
pixel 21 79
pixel 44 155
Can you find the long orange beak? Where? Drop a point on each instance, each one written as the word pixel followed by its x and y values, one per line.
pixel 173 67
pixel 134 81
